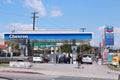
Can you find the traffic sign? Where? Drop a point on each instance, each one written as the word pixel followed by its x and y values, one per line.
pixel 74 48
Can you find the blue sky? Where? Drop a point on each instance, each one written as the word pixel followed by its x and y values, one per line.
pixel 62 14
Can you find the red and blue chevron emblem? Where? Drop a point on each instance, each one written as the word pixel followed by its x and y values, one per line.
pixel 109 29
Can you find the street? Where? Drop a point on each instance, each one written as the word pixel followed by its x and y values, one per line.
pixel 44 71
pixel 18 76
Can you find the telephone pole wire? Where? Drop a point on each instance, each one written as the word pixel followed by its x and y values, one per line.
pixel 34 17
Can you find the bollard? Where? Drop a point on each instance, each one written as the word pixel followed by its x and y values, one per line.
pixel 119 77
pixel 52 60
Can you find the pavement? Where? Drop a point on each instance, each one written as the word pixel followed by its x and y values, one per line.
pixel 85 70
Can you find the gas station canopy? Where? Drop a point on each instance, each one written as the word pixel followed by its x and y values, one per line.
pixel 49 35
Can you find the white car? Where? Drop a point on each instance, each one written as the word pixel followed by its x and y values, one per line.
pixel 38 58
pixel 87 59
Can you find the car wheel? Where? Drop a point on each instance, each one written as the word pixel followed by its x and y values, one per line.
pixel 81 62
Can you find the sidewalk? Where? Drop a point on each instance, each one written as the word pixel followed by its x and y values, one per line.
pixel 95 71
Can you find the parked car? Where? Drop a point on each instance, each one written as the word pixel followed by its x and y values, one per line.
pixel 38 58
pixel 62 58
pixel 46 59
pixel 87 59
pixel 4 54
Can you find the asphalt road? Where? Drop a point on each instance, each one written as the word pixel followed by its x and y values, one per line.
pixel 59 72
pixel 19 76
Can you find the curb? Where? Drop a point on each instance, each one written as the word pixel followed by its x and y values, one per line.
pixel 5 78
pixel 112 68
pixel 28 72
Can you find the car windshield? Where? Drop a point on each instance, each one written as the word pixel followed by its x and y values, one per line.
pixel 36 55
pixel 86 56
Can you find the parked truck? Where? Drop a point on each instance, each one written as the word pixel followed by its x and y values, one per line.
pixel 6 58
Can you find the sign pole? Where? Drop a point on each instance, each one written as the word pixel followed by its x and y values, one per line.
pixel 74 49
pixel 109 38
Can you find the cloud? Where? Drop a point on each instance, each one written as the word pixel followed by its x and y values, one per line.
pixel 116 41
pixel 97 39
pixel 102 28
pixel 117 30
pixel 20 26
pixel 93 43
pixel 37 5
pixel 1 35
pixel 97 36
pixel 55 12
pixel 8 1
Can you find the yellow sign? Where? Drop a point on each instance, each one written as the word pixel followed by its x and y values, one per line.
pixel 115 59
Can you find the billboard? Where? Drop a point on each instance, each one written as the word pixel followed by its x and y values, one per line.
pixel 110 57
pixel 109 36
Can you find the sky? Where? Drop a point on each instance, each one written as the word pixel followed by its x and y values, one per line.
pixel 93 15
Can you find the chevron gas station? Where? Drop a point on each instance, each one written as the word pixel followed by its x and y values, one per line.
pixel 48 38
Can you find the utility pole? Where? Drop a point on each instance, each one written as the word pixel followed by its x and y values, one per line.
pixel 29 41
pixel 34 17
pixel 31 49
pixel 82 29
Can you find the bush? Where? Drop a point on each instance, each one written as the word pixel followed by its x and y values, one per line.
pixel 114 67
pixel 16 54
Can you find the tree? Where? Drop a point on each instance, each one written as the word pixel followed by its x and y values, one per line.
pixel 84 48
pixel 0 50
pixel 66 48
pixel 14 45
